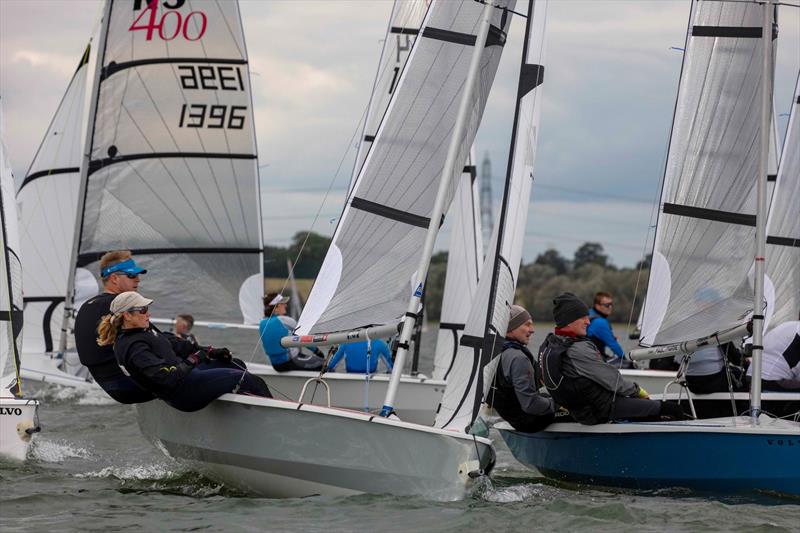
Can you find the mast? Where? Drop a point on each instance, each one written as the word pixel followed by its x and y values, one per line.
pixel 761 212
pixel 438 209
pixel 84 179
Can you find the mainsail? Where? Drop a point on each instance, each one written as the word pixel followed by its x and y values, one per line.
pixel 486 326
pixel 368 273
pixel 48 200
pixel 704 244
pixel 404 25
pixel 10 274
pixel 783 228
pixel 464 261
pixel 172 172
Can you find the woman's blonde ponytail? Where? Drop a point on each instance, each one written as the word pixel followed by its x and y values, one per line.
pixel 108 329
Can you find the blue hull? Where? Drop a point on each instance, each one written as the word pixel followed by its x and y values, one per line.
pixel 714 462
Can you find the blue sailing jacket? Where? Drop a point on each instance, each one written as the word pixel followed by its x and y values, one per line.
pixel 271 330
pixel 355 356
pixel 600 330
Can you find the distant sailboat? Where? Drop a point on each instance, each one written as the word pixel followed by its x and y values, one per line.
pixel 703 285
pixel 48 199
pixel 18 414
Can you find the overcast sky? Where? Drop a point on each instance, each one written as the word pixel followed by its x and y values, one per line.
pixel 610 83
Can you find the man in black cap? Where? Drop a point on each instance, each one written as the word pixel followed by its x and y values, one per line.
pixel 575 373
pixel 514 392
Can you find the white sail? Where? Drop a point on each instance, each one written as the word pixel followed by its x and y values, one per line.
pixel 783 228
pixel 172 174
pixel 704 244
pixel 464 261
pixel 367 274
pixel 295 303
pixel 404 25
pixel 48 199
pixel 486 326
pixel 10 273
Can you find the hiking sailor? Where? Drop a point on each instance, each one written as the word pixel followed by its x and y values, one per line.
pixel 167 366
pixel 515 390
pixel 575 374
pixel 119 273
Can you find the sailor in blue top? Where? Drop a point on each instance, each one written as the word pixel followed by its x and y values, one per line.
pixel 599 330
pixel 276 325
pixel 356 356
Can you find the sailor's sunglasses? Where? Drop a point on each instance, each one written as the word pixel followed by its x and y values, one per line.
pixel 609 304
pixel 142 310
pixel 129 275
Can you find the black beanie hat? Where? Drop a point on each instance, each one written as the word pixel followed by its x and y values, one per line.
pixel 568 308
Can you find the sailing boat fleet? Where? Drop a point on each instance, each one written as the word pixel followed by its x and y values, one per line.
pixel 172 119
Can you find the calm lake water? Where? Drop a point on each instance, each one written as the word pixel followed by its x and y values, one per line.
pixel 91 470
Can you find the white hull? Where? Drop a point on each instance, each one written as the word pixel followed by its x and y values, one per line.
pixel 416 402
pixel 281 449
pixel 44 368
pixel 18 422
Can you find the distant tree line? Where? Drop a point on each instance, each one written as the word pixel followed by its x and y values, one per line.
pixel 589 270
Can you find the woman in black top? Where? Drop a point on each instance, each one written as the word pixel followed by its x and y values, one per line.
pixel 178 371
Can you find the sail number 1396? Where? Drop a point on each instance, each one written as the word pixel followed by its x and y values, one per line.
pixel 211 78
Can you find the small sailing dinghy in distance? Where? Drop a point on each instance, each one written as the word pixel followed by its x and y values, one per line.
pixel 18 415
pixel 703 262
pixel 280 448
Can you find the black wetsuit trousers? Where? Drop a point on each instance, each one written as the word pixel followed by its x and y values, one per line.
pixel 645 410
pixel 208 381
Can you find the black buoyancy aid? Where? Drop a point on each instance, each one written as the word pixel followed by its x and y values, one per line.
pixel 587 401
pixel 503 398
pixel 157 344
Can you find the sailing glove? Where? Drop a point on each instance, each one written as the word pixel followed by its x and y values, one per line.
pixel 221 354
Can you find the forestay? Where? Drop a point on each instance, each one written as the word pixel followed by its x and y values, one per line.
pixel 486 326
pixel 404 25
pixel 783 228
pixel 464 261
pixel 704 244
pixel 366 277
pixel 173 173
pixel 10 274
pixel 48 200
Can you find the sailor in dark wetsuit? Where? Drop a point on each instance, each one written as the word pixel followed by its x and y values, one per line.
pixel 120 273
pixel 171 368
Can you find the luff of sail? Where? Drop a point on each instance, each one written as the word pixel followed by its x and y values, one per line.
pixel 783 227
pixel 173 174
pixel 11 317
pixel 704 244
pixel 367 274
pixel 486 326
pixel 464 262
pixel 48 199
